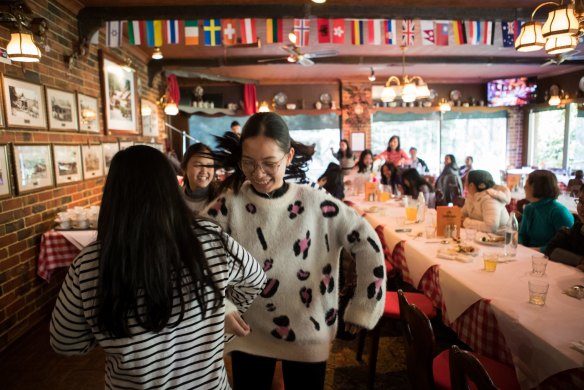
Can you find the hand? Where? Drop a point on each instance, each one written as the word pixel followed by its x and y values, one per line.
pixel 352 328
pixel 235 324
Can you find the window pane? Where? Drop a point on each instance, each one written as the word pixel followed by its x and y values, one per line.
pixel 548 135
pixel 576 144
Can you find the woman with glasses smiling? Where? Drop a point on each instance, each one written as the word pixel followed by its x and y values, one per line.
pixel 200 186
pixel 296 232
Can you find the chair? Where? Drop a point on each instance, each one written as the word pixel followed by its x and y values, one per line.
pixel 513 181
pixel 390 312
pixel 465 365
pixel 427 372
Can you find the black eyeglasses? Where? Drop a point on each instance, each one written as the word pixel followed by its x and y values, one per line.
pixel 248 166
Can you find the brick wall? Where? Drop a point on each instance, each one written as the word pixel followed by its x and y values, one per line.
pixel 515 136
pixel 355 114
pixel 25 299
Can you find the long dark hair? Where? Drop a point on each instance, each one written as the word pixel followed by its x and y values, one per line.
pixel 347 153
pixel 149 252
pixel 334 180
pixel 360 164
pixel 202 150
pixel 398 143
pixel 453 165
pixel 416 181
pixel 269 125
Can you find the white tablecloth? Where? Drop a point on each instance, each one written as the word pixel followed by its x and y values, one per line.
pixel 79 238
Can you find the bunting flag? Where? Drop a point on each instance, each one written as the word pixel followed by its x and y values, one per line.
pixel 171 31
pixel 158 41
pixel 274 30
pixel 136 32
pixel 229 33
pixel 191 32
pixel 357 32
pixel 408 32
pixel 212 32
pixel 474 32
pixel 324 30
pixel 488 33
pixel 376 31
pixel 113 36
pixel 302 31
pixel 441 33
pixel 247 29
pixel 428 32
pixel 459 32
pixel 510 32
pixel 339 31
pixel 391 32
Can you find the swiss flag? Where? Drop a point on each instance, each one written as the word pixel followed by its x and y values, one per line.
pixel 324 30
pixel 339 31
pixel 229 33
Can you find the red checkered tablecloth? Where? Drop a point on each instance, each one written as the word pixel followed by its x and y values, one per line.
pixel 399 261
pixel 55 252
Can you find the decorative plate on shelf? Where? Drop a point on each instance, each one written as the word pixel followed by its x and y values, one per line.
pixel 280 98
pixel 581 84
pixel 326 98
pixel 433 95
pixel 455 95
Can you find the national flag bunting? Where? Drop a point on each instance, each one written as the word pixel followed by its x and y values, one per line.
pixel 474 32
pixel 212 32
pixel 339 31
pixel 247 29
pixel 136 32
pixel 191 32
pixel 391 32
pixel 171 31
pixel 488 32
pixel 113 36
pixel 302 31
pixel 376 31
pixel 510 32
pixel 459 32
pixel 324 30
pixel 158 41
pixel 274 30
pixel 408 32
pixel 357 32
pixel 442 33
pixel 229 32
pixel 428 32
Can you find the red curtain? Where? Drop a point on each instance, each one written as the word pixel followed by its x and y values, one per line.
pixel 173 89
pixel 249 99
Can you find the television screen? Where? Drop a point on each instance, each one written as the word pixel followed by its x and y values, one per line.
pixel 511 92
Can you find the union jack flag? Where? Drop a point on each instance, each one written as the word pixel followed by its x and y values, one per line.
pixel 408 32
pixel 302 31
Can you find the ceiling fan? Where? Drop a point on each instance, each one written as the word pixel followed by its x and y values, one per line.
pixel 295 55
pixel 574 55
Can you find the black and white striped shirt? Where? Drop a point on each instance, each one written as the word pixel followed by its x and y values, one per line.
pixel 187 356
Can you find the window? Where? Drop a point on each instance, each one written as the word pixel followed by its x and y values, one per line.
pixel 547 128
pixel 576 144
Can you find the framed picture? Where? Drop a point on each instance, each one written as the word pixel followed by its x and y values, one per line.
pixel 67 161
pixel 1 113
pixel 5 188
pixel 62 110
pixel 118 96
pixel 92 161
pixel 24 103
pixel 33 167
pixel 126 144
pixel 109 150
pixel 149 118
pixel 358 141
pixel 87 109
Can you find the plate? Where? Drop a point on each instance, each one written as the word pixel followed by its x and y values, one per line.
pixel 479 238
pixel 326 98
pixel 280 98
pixel 455 95
pixel 581 84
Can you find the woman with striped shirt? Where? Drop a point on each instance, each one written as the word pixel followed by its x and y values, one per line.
pixel 151 290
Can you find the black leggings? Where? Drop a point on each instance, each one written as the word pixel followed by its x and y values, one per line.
pixel 251 372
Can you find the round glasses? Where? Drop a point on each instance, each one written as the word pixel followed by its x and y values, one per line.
pixel 248 166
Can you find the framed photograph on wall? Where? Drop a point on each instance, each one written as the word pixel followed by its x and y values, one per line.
pixel 1 112
pixel 67 162
pixel 149 118
pixel 92 161
pixel 24 104
pixel 358 142
pixel 126 144
pixel 109 150
pixel 33 167
pixel 62 110
pixel 5 188
pixel 87 110
pixel 118 84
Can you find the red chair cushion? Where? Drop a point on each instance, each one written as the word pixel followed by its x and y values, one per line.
pixel 441 371
pixel 420 300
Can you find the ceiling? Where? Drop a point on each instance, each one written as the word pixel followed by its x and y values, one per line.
pixel 436 64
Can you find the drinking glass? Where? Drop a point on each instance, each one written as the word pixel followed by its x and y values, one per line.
pixel 538 265
pixel 538 292
pixel 490 261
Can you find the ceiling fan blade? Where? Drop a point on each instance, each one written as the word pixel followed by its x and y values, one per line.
pixel 291 49
pixel 305 61
pixel 272 59
pixel 322 54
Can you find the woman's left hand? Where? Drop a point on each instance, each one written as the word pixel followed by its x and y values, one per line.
pixel 352 328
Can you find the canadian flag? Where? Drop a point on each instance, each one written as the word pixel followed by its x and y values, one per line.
pixel 338 31
pixel 248 30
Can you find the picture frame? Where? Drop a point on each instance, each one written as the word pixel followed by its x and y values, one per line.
pixel 24 104
pixel 67 163
pixel 5 179
pixel 92 161
pixel 358 141
pixel 126 144
pixel 87 109
pixel 118 85
pixel 109 150
pixel 2 124
pixel 149 112
pixel 61 109
pixel 33 167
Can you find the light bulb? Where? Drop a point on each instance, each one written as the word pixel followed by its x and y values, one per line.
pixel 157 54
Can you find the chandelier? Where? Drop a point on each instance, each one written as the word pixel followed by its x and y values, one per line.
pixel 408 88
pixel 560 32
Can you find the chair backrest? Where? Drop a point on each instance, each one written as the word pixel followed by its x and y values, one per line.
pixel 419 338
pixel 513 181
pixel 465 366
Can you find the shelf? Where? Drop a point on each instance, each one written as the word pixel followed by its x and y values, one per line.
pixel 207 111
pixel 312 111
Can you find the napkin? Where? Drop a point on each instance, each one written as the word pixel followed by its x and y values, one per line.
pixel 445 254
pixel 578 345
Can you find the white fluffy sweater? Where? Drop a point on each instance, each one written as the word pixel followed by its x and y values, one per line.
pixel 485 210
pixel 297 238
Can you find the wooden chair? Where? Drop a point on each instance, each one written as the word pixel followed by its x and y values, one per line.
pixel 427 372
pixel 513 181
pixel 464 365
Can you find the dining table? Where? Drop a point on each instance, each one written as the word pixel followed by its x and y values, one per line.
pixel 490 311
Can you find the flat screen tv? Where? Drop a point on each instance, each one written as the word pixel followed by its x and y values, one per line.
pixel 511 92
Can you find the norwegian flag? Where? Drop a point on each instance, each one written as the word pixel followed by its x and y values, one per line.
pixel 408 32
pixel 302 31
pixel 248 31
pixel 339 31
